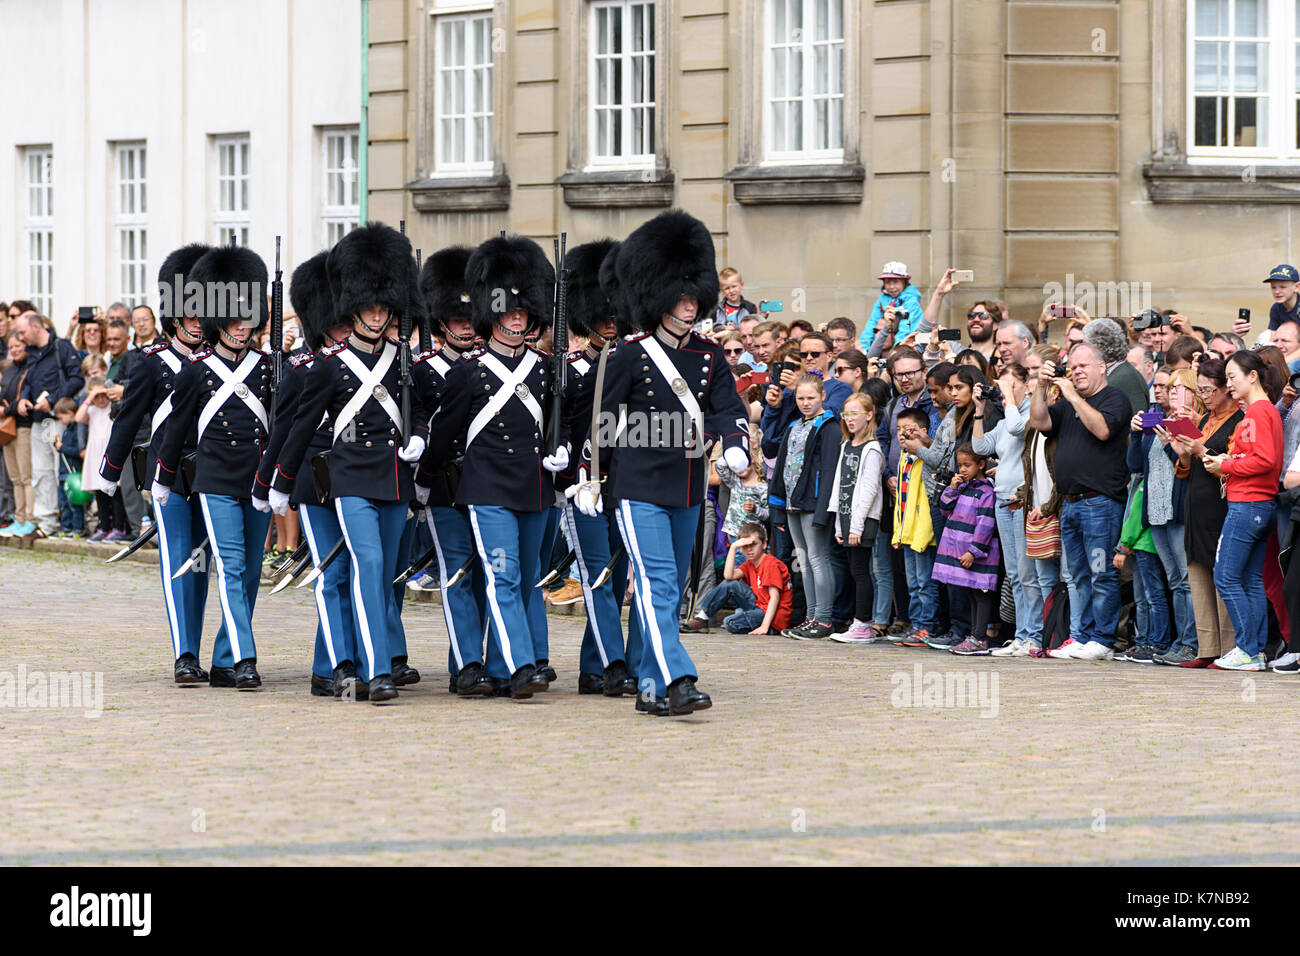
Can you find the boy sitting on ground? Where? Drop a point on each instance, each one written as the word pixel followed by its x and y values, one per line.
pixel 759 589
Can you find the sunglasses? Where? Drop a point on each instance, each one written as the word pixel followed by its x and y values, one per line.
pixel 734 351
pixel 841 369
pixel 808 355
pixel 977 315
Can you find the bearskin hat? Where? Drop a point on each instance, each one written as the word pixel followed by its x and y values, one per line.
pixel 374 265
pixel 309 294
pixel 508 273
pixel 586 302
pixel 662 260
pixel 442 282
pixel 234 286
pixel 171 290
pixel 609 283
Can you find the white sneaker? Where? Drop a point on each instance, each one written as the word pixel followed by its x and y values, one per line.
pixel 1290 657
pixel 1092 651
pixel 1238 660
pixel 1017 648
pixel 1065 651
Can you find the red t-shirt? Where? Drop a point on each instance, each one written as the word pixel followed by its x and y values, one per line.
pixel 1256 455
pixel 770 572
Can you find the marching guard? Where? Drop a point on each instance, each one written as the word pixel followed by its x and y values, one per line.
pixel 667 276
pixel 336 649
pixel 495 398
pixel 179 523
pixel 446 299
pixel 373 279
pixel 603 662
pixel 223 395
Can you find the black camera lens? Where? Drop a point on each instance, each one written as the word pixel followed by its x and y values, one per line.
pixel 1295 382
pixel 1149 319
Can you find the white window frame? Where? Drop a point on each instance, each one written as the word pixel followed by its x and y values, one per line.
pixel 337 219
pixel 38 226
pixel 1280 41
pixel 625 159
pixel 807 46
pixel 131 221
pixel 232 192
pixel 468 74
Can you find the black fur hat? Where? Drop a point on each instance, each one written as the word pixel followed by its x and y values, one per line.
pixel 374 265
pixel 662 260
pixel 309 294
pixel 171 290
pixel 442 282
pixel 609 283
pixel 508 273
pixel 586 301
pixel 234 286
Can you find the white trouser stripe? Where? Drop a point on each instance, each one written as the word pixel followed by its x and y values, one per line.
pixel 318 589
pixel 585 577
pixel 221 580
pixel 169 599
pixel 503 639
pixel 646 599
pixel 362 617
pixel 443 576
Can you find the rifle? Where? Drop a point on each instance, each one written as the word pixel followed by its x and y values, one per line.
pixel 426 334
pixel 559 350
pixel 277 333
pixel 404 350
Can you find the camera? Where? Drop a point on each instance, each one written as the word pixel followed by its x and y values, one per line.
pixel 943 477
pixel 1149 319
pixel 1060 370
pixel 1058 311
pixel 902 315
pixel 85 315
pixel 780 368
pixel 771 305
pixel 1295 382
pixel 990 393
pixel 949 335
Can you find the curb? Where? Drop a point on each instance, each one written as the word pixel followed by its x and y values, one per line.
pixel 86 549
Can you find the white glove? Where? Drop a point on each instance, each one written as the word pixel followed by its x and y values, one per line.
pixel 159 493
pixel 262 505
pixel 109 487
pixel 279 502
pixel 421 494
pixel 736 459
pixel 557 461
pixel 588 499
pixel 413 450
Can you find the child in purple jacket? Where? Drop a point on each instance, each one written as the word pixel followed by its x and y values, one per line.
pixel 968 550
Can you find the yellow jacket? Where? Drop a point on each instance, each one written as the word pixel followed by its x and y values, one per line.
pixel 912 525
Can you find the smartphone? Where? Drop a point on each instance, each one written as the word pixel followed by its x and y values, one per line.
pixel 1058 311
pixel 963 275
pixel 86 315
pixel 770 305
pixel 706 326
pixel 1150 420
pixel 1243 315
pixel 923 338
pixel 950 335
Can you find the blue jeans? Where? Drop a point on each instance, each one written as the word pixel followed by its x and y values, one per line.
pixel 1045 574
pixel 813 546
pixel 1089 532
pixel 1021 571
pixel 882 580
pixel 1171 545
pixel 736 594
pixel 923 602
pixel 1149 601
pixel 1239 571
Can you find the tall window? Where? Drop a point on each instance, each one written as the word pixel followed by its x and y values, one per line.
pixel 38 226
pixel 463 94
pixel 130 222
pixel 622 83
pixel 231 213
pixel 1245 78
pixel 804 80
pixel 341 203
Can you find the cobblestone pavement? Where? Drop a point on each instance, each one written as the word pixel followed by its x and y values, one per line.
pixel 811 753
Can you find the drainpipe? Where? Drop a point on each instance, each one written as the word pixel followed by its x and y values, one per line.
pixel 363 144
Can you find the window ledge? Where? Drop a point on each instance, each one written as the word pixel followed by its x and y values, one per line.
pixel 643 187
pixel 470 194
pixel 763 185
pixel 1182 182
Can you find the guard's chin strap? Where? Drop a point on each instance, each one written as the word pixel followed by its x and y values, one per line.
pixel 497 326
pixel 368 341
pixel 668 336
pixel 501 348
pixel 228 351
pixel 458 343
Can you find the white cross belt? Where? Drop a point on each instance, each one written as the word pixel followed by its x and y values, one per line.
pixel 367 381
pixel 230 382
pixel 510 388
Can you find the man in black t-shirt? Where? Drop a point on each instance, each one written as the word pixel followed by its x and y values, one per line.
pixel 1090 422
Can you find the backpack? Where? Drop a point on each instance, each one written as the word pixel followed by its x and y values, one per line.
pixel 1056 617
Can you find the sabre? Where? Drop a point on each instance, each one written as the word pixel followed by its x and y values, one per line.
pixel 135 545
pixel 420 564
pixel 554 573
pixel 293 558
pixel 325 563
pixel 608 570
pixel 296 570
pixel 463 570
pixel 194 559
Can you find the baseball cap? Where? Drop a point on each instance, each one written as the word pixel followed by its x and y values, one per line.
pixel 1282 273
pixel 896 270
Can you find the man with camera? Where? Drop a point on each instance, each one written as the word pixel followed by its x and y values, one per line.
pixel 815 358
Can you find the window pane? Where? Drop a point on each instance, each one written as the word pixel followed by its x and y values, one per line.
pixel 1249 123
pixel 1211 67
pixel 1211 18
pixel 1251 15
pixel 1251 68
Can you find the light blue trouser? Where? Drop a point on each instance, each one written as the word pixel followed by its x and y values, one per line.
pixel 882 579
pixel 1021 571
pixel 659 542
pixel 508 544
pixel 535 599
pixel 923 588
pixel 813 546
pixel 1171 545
pixel 237 534
pixel 336 637
pixel 404 558
pixel 463 606
pixel 373 532
pixel 594 540
pixel 180 528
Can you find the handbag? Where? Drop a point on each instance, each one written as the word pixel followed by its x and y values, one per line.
pixel 1043 537
pixel 9 423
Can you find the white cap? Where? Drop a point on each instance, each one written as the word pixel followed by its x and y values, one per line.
pixel 894 270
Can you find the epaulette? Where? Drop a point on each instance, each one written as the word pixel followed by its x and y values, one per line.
pixel 573 357
pixel 201 353
pixel 335 349
pixel 423 356
pixel 157 347
pixel 473 353
pixel 300 357
pixel 540 353
pixel 638 338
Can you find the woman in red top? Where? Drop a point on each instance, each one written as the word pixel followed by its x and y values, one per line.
pixel 1249 472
